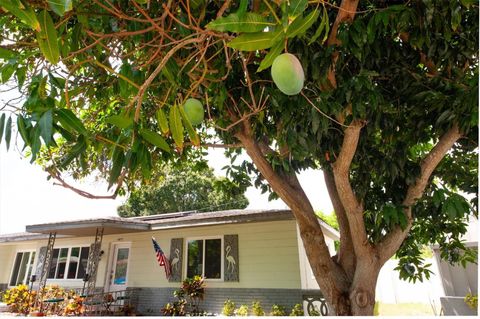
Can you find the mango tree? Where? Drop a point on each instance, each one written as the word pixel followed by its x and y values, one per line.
pixel 380 95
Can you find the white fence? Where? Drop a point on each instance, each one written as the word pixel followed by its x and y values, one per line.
pixel 391 289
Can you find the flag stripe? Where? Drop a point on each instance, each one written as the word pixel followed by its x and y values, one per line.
pixel 161 258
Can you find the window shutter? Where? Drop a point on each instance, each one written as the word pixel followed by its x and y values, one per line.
pixel 40 261
pixel 231 262
pixel 176 256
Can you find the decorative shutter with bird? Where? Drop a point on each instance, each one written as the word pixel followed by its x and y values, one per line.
pixel 176 256
pixel 40 261
pixel 231 271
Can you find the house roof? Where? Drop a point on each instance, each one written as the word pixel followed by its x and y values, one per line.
pixel 14 237
pixel 117 225
pixel 87 227
pixel 192 219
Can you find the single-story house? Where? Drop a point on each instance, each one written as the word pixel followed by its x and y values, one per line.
pixel 245 255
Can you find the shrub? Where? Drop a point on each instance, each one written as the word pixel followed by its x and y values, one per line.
pixel 242 311
pixel 228 308
pixel 177 308
pixel 471 301
pixel 278 311
pixel 74 307
pixel 257 309
pixel 19 299
pixel 297 310
pixel 57 292
pixel 194 290
pixel 315 312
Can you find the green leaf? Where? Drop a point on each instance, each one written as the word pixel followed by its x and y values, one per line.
pixel 270 57
pixel 162 121
pixel 70 122
pixel 297 7
pixel 46 123
pixel 21 76
pixel 47 38
pixel 7 72
pixel 118 159
pixel 256 41
pixel 42 88
pixel 194 4
pixel 324 26
pixel 242 8
pixel 249 22
pixel 8 132
pixel 22 129
pixel 6 54
pixel 438 198
pixel 60 6
pixel 36 143
pixel 66 134
pixel 176 127
pixel 194 138
pixel 26 15
pixel 300 25
pixel 120 121
pixel 76 150
pixel 450 209
pixel 155 139
pixel 456 18
pixel 2 125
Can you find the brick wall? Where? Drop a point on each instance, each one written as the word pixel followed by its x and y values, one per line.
pixel 149 301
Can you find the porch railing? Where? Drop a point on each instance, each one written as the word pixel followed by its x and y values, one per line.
pixel 115 303
pixel 316 304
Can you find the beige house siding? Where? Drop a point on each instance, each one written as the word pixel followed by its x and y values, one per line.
pixel 6 262
pixel 268 255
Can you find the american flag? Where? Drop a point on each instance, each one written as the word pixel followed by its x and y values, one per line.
pixel 162 259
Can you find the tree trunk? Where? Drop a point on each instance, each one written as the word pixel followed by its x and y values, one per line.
pixel 347 296
pixel 362 290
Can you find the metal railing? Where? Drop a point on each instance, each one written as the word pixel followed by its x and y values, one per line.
pixel 115 303
pixel 316 304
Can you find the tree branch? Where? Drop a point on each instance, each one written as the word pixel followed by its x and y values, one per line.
pixel 392 241
pixel 139 97
pixel 353 208
pixel 346 12
pixel 346 255
pixel 61 182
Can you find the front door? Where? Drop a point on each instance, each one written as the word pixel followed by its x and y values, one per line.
pixel 119 267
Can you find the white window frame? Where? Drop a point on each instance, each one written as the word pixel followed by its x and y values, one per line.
pixel 31 251
pixel 67 265
pixel 204 238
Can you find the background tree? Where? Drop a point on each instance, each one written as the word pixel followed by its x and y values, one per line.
pixel 184 188
pixel 388 110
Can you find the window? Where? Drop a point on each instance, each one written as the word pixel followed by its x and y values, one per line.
pixel 69 263
pixel 204 258
pixel 22 268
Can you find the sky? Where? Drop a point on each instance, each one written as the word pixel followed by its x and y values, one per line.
pixel 26 197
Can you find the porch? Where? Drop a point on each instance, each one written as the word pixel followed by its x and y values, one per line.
pixel 56 263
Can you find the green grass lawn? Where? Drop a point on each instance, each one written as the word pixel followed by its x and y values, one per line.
pixel 404 309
